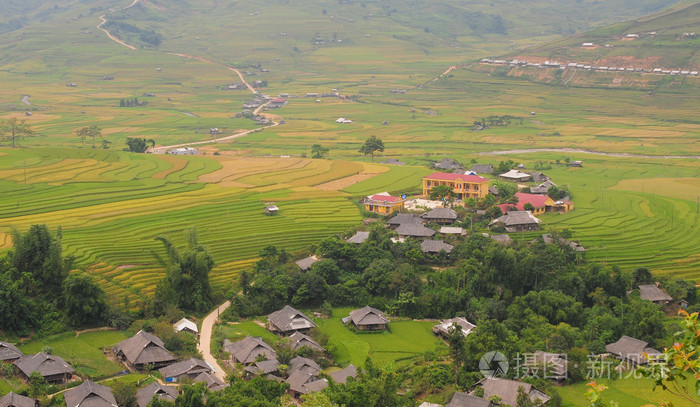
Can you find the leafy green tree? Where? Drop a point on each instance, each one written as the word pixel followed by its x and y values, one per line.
pixel 505 166
pixel 37 385
pixel 92 132
pixel 441 192
pixel 186 283
pixel 139 145
pixel 18 310
pixel 641 275
pixel 124 393
pixel 84 301
pixel 14 130
pixel 506 190
pixel 39 253
pixel 192 396
pixel 455 340
pixel 528 207
pixel 371 146
pixel 318 151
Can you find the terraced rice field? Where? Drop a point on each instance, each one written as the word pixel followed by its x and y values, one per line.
pixel 111 206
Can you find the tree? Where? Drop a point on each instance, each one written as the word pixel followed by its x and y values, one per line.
pixel 641 275
pixel 124 393
pixel 371 146
pixel 186 283
pixel 528 207
pixel 139 145
pixel 37 385
pixel 38 253
pixel 92 132
pixel 318 151
pixel 455 340
pixel 84 300
pixel 13 130
pixel 441 192
pixel 19 312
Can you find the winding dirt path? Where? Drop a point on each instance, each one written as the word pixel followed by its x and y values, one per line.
pixel 204 345
pixel 112 37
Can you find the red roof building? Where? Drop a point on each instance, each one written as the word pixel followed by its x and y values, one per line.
pixel 540 203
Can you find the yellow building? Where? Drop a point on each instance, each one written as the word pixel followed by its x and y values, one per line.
pixel 384 204
pixel 465 186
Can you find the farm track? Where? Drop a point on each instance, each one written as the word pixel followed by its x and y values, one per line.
pixel 582 151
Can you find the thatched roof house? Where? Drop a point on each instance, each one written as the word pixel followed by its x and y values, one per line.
pixel 247 350
pixel 516 221
pixel 143 349
pixel 301 382
pixel 359 237
pixel 304 364
pixel 414 230
pixel 51 367
pixel 13 399
pixel 9 352
pixel 163 392
pixel 435 246
pixel 262 367
pixel 402 219
pixel 191 368
pixel 444 216
pixel 482 168
pixel 632 350
pixel 651 292
pixel 341 376
pixel 212 382
pixel 90 394
pixel 305 264
pixel 299 340
pixel 367 319
pixel 548 365
pixel 467 400
pixel 288 320
pixel 507 390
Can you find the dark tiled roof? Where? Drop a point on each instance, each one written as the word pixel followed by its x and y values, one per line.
pixel 304 264
pixel 145 395
pixel 482 168
pixel 467 400
pixel 507 390
pixel 651 292
pixel 631 349
pixel 435 246
pixel 13 399
pixel 190 366
pixel 144 348
pixel 299 340
pixel 289 319
pixel 404 218
pixel 265 366
pixel 9 351
pixel 515 218
pixel 90 394
pixel 304 364
pixel 414 230
pixel 46 365
pixel 440 213
pixel 368 316
pixel 247 350
pixel 549 365
pixel 213 383
pixel 303 382
pixel 341 376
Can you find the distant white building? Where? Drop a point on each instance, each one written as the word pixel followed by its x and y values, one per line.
pixel 184 151
pixel 186 325
pixel 588 45
pixel 343 120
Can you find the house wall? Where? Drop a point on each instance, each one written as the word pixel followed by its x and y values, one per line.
pixel 464 190
pixel 383 209
pixel 377 327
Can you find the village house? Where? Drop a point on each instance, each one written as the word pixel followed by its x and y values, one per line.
pixel 298 340
pixel 383 203
pixel 52 368
pixel 540 204
pixel 271 210
pixel 90 394
pixel 542 188
pixel 185 325
pixel 341 376
pixel 305 263
pixel 435 246
pixel 653 293
pixel 359 237
pixel 264 367
pixel 507 391
pixel 449 164
pixel 443 328
pixel 441 216
pixel 278 102
pixel 367 319
pixel 547 365
pixel 142 350
pixel 404 219
pixel 464 186
pixel 163 392
pixel 392 161
pixel 631 350
pixel 548 239
pixel 482 168
pixel 13 399
pixel 413 230
pixel 460 399
pixel 304 365
pixel 189 368
pixel 9 352
pixel 517 221
pixel 576 164
pixel 212 382
pixel 288 321
pixel 502 239
pixel 450 230
pixel 515 175
pixel 184 151
pixel 301 383
pixel 247 350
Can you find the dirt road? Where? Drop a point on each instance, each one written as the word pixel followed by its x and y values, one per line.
pixel 204 345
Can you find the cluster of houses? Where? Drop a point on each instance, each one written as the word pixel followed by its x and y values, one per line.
pixel 303 374
pixel 141 352
pixel 593 68
pixel 517 217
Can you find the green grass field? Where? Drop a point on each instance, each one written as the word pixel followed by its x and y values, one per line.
pixel 84 352
pixel 405 341
pixel 627 391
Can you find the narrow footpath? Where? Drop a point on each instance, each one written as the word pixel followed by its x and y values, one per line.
pixel 204 345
